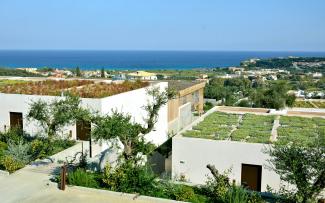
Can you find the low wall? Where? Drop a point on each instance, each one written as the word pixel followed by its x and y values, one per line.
pixel 190 156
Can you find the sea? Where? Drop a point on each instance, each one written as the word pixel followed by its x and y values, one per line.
pixel 135 60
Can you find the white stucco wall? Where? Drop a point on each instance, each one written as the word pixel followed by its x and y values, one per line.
pixel 131 102
pixel 190 156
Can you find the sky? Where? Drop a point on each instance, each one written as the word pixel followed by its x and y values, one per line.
pixel 252 25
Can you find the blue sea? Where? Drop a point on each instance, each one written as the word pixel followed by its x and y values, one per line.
pixel 130 60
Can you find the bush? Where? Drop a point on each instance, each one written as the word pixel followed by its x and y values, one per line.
pixel 19 152
pixel 129 178
pixel 3 147
pixel 207 106
pixel 12 135
pixel 80 177
pixel 236 195
pixel 11 164
pixel 183 193
pixel 38 149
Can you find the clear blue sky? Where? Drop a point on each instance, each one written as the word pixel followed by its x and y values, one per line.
pixel 163 24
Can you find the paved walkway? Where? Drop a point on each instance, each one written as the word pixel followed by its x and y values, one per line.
pixel 32 184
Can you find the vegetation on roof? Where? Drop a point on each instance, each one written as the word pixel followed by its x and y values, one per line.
pixel 257 128
pixel 300 130
pixel 46 87
pixel 81 88
pixel 100 90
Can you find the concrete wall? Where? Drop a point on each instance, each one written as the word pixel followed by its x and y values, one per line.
pixel 190 157
pixel 132 103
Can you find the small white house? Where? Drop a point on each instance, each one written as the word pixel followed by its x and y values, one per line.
pixel 14 108
pixel 142 75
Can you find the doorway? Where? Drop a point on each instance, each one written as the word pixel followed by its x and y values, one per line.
pixel 83 130
pixel 16 120
pixel 251 176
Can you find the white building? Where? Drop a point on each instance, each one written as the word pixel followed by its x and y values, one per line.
pixel 14 108
pixel 142 75
pixel 246 161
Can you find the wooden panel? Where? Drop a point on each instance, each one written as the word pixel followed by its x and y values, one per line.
pixel 173 106
pixel 83 130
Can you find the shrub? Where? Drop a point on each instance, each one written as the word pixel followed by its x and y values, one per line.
pixel 236 195
pixel 183 193
pixel 207 106
pixel 38 149
pixel 129 178
pixel 11 164
pixel 19 152
pixel 12 135
pixel 3 147
pixel 80 177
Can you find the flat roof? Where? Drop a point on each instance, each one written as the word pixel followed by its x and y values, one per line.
pixel 179 85
pixel 82 88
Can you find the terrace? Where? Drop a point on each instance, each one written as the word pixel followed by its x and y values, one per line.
pixel 82 88
pixel 253 128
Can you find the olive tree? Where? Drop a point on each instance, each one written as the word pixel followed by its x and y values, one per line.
pixel 53 116
pixel 301 166
pixel 131 134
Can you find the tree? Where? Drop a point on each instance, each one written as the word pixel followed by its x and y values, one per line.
pixel 78 72
pixel 131 134
pixel 102 73
pixel 301 166
pixel 55 115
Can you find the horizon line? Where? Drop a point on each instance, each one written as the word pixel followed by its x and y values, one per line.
pixel 165 50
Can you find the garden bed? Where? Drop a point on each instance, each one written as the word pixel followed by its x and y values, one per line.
pixel 254 128
pixel 300 130
pixel 215 126
pixel 18 149
pixel 224 126
pixel 46 87
pixel 81 88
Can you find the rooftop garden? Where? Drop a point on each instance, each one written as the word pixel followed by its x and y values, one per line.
pixel 254 128
pixel 300 130
pixel 222 126
pixel 46 87
pixel 216 126
pixel 82 88
pixel 257 128
pixel 100 90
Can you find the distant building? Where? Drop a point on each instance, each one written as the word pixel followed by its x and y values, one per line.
pixel 142 75
pixel 189 99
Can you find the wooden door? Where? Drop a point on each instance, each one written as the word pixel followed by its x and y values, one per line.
pixel 83 130
pixel 16 120
pixel 251 176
